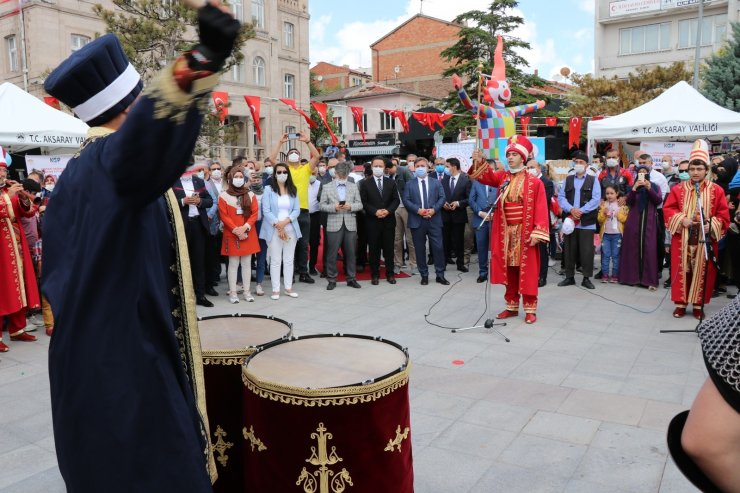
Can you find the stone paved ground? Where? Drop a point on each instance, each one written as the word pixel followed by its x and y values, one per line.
pixel 578 402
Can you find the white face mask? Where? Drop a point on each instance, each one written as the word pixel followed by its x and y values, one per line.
pixel 312 179
pixel 201 175
pixel 580 168
pixel 378 172
pixel 238 182
pixel 533 171
pixel 517 170
pixel 612 163
pixel 282 178
pixel 293 157
pixel 49 187
pixel 322 169
pixel 268 170
pixel 216 173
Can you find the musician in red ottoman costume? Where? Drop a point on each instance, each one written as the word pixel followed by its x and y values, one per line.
pixel 17 277
pixel 520 223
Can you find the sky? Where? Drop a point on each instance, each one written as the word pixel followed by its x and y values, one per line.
pixel 561 33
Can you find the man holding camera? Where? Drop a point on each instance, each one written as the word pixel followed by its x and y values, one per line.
pixel 17 276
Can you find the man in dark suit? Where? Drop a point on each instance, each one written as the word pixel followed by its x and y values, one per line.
pixel 482 198
pixel 454 214
pixel 535 169
pixel 424 198
pixel 380 200
pixel 194 200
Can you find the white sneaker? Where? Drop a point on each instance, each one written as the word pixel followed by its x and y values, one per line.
pixel 248 297
pixel 275 296
pixel 36 320
pixel 233 298
pixel 258 290
pixel 292 294
pixel 551 263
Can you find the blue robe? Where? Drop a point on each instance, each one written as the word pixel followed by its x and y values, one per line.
pixel 127 396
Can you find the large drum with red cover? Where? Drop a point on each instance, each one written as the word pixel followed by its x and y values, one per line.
pixel 226 342
pixel 328 414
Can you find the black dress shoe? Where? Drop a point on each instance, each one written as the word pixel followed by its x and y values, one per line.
pixel 391 280
pixel 667 283
pixel 211 292
pixel 462 268
pixel 203 301
pixel 568 281
pixel 313 272
pixel 331 286
pixel 424 280
pixel 306 278
pixel 441 280
pixel 586 283
pixel 599 275
pixel 323 275
pixel 541 283
pixel 449 261
pixel 481 279
pixel 375 281
pixel 353 284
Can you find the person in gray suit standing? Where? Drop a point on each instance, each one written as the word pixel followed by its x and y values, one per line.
pixel 340 199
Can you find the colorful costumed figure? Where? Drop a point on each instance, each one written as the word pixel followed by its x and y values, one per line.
pixel 495 121
pixel 520 223
pixel 697 216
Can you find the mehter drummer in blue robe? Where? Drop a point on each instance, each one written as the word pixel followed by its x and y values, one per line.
pixel 127 394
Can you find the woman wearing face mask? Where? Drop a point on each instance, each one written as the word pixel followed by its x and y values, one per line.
pixel 280 229
pixel 238 208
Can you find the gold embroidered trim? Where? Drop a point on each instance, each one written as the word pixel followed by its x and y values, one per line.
pixel 323 457
pixel 221 446
pixel 17 261
pixel 253 440
pixel 226 361
pixel 335 396
pixel 396 442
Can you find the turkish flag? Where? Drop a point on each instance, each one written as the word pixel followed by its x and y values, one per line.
pixel 426 119
pixel 357 114
pixel 574 136
pixel 254 108
pixel 551 121
pixel 291 103
pixel 321 110
pixel 525 124
pixel 597 118
pixel 221 102
pixel 52 101
pixel 401 118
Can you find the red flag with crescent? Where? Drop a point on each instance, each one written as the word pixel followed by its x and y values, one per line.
pixel 321 110
pixel 426 119
pixel 551 121
pixel 401 118
pixel 357 114
pixel 574 136
pixel 291 103
pixel 597 117
pixel 525 124
pixel 52 101
pixel 221 102
pixel 254 109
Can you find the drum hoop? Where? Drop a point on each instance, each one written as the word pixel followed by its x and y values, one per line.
pixel 330 396
pixel 238 356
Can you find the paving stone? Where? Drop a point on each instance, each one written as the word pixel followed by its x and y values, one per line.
pixel 606 407
pixel 657 415
pixel 475 440
pixel 528 394
pixel 551 457
pixel 631 441
pixel 562 427
pixel 498 415
pixel 674 481
pixel 439 470
pixel 425 428
pixel 502 477
pixel 441 405
pixel 635 474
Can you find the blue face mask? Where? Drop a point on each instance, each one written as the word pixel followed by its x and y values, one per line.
pixel 268 170
pixel 684 176
pixel 448 172
pixel 421 172
pixel 440 168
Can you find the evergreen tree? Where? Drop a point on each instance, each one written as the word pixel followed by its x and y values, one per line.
pixel 477 42
pixel 722 73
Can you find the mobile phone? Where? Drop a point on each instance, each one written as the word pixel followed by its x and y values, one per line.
pixel 342 202
pixel 296 135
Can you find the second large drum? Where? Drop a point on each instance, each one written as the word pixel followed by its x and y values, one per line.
pixel 328 414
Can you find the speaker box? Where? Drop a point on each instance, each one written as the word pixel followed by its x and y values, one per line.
pixel 545 131
pixel 554 147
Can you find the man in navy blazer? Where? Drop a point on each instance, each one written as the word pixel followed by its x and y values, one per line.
pixel 194 200
pixel 482 198
pixel 425 220
pixel 456 186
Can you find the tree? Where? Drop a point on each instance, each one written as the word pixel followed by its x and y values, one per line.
pixel 320 133
pixel 722 72
pixel 612 96
pixel 476 44
pixel 153 33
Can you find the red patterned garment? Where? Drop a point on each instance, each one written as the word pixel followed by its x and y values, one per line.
pixel 16 266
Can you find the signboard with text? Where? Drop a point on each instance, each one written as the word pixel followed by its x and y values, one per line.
pixel 658 150
pixel 50 165
pixel 372 142
pixel 627 7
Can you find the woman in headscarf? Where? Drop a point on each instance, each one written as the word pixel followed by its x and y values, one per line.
pixel 639 256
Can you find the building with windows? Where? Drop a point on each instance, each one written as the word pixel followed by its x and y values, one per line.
pixel 631 33
pixel 329 77
pixel 45 32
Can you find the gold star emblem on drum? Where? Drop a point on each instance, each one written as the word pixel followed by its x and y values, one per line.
pixel 322 457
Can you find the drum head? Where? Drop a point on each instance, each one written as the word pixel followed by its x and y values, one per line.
pixel 228 333
pixel 326 361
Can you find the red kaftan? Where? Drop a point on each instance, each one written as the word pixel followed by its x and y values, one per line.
pixel 17 277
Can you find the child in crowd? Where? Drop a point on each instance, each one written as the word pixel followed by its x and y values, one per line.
pixel 611 217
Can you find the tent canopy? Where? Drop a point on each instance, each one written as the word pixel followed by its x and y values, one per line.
pixel 27 122
pixel 680 113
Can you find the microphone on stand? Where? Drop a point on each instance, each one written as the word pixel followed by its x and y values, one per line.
pixel 493 207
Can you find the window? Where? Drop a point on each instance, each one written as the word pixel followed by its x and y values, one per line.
pixel 356 129
pixel 355 81
pixel 289 86
pixel 288 29
pixel 387 122
pixel 258 13
pixel 78 41
pixel 10 43
pixel 338 123
pixel 258 71
pixel 237 6
pixel 645 39
pixel 237 72
pixel 713 31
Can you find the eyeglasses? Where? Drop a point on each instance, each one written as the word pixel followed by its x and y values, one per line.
pixel 281 172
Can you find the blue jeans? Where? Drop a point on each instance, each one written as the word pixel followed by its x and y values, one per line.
pixel 610 244
pixel 483 243
pixel 261 256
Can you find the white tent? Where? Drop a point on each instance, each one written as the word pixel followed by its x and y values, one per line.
pixel 680 113
pixel 27 122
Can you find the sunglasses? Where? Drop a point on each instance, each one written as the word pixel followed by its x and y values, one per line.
pixel 281 172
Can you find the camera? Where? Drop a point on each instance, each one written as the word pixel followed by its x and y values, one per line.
pixel 293 136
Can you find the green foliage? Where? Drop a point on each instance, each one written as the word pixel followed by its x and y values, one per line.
pixel 603 96
pixel 320 133
pixel 722 73
pixel 476 44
